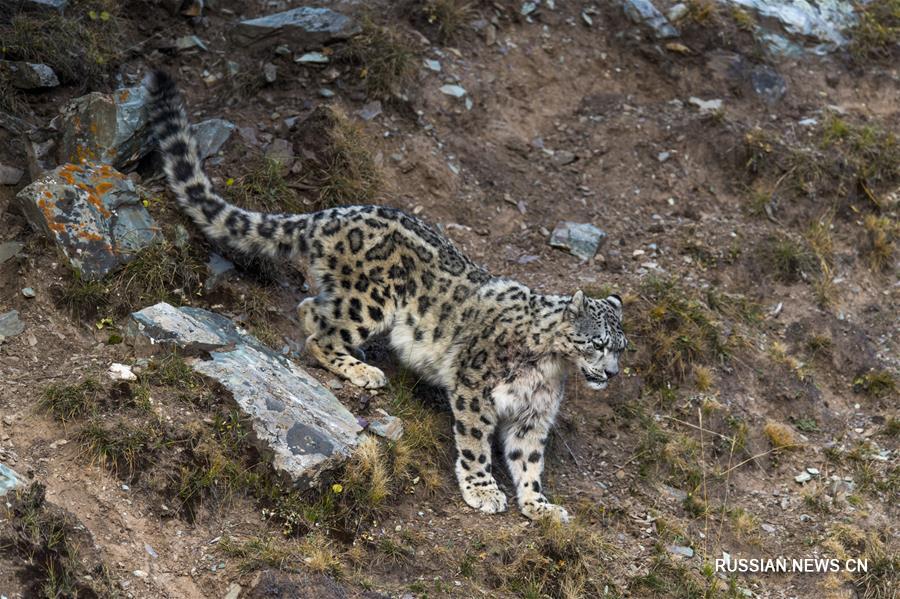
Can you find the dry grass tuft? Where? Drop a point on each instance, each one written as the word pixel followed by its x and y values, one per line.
pixel 263 188
pixel 264 551
pixel 674 332
pixel 320 556
pixel 743 19
pixel 850 162
pixel 422 448
pixel 780 435
pixel 366 475
pixel 744 523
pixel 384 59
pixel 882 578
pixel 703 377
pixel 339 167
pixel 446 17
pixel 702 12
pixel 553 560
pixel 882 233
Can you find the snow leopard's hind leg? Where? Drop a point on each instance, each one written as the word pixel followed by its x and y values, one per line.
pixel 333 340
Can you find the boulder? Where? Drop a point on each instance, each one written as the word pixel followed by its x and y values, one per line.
pixel 92 212
pixel 643 12
pixel 9 480
pixel 302 28
pixel 580 239
pixel 791 27
pixel 298 423
pixel 107 128
pixel 28 75
pixel 211 135
pixel 10 175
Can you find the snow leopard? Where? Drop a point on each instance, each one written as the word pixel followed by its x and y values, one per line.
pixel 499 349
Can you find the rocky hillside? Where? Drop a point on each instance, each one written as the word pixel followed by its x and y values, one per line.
pixel 731 168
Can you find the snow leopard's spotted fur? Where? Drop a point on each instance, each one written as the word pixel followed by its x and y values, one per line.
pixel 498 348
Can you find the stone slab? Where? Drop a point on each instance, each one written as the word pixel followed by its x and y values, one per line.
pixel 298 423
pixel 302 28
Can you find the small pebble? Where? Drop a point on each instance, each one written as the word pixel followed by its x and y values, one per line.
pixel 28 292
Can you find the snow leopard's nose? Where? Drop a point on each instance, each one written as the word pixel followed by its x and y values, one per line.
pixel 611 372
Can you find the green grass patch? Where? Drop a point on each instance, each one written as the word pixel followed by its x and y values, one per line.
pixel 80 46
pixel 53 552
pixel 118 445
pixel 876 384
pixel 69 402
pixel 162 272
pixel 786 259
pixel 848 162
pixel 876 34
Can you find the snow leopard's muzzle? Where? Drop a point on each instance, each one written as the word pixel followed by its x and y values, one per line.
pixel 598 375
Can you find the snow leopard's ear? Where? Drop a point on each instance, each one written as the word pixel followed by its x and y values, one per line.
pixel 616 302
pixel 576 304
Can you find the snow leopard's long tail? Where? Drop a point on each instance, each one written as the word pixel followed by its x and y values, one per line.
pixel 242 230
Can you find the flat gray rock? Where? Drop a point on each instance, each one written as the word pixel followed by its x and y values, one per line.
pixel 28 75
pixel 218 268
pixel 10 249
pixel 107 128
pixel 15 6
pixel 9 480
pixel 302 28
pixel 93 213
pixel 644 12
pixel 387 426
pixel 211 135
pixel 680 550
pixel 580 239
pixel 299 424
pixel 10 325
pixel 10 175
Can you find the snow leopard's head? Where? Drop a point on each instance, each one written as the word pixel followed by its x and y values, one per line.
pixel 594 337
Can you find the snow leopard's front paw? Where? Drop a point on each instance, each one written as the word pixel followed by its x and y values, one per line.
pixel 539 508
pixel 489 500
pixel 365 376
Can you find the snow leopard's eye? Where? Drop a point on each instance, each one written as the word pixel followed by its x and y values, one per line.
pixel 598 343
